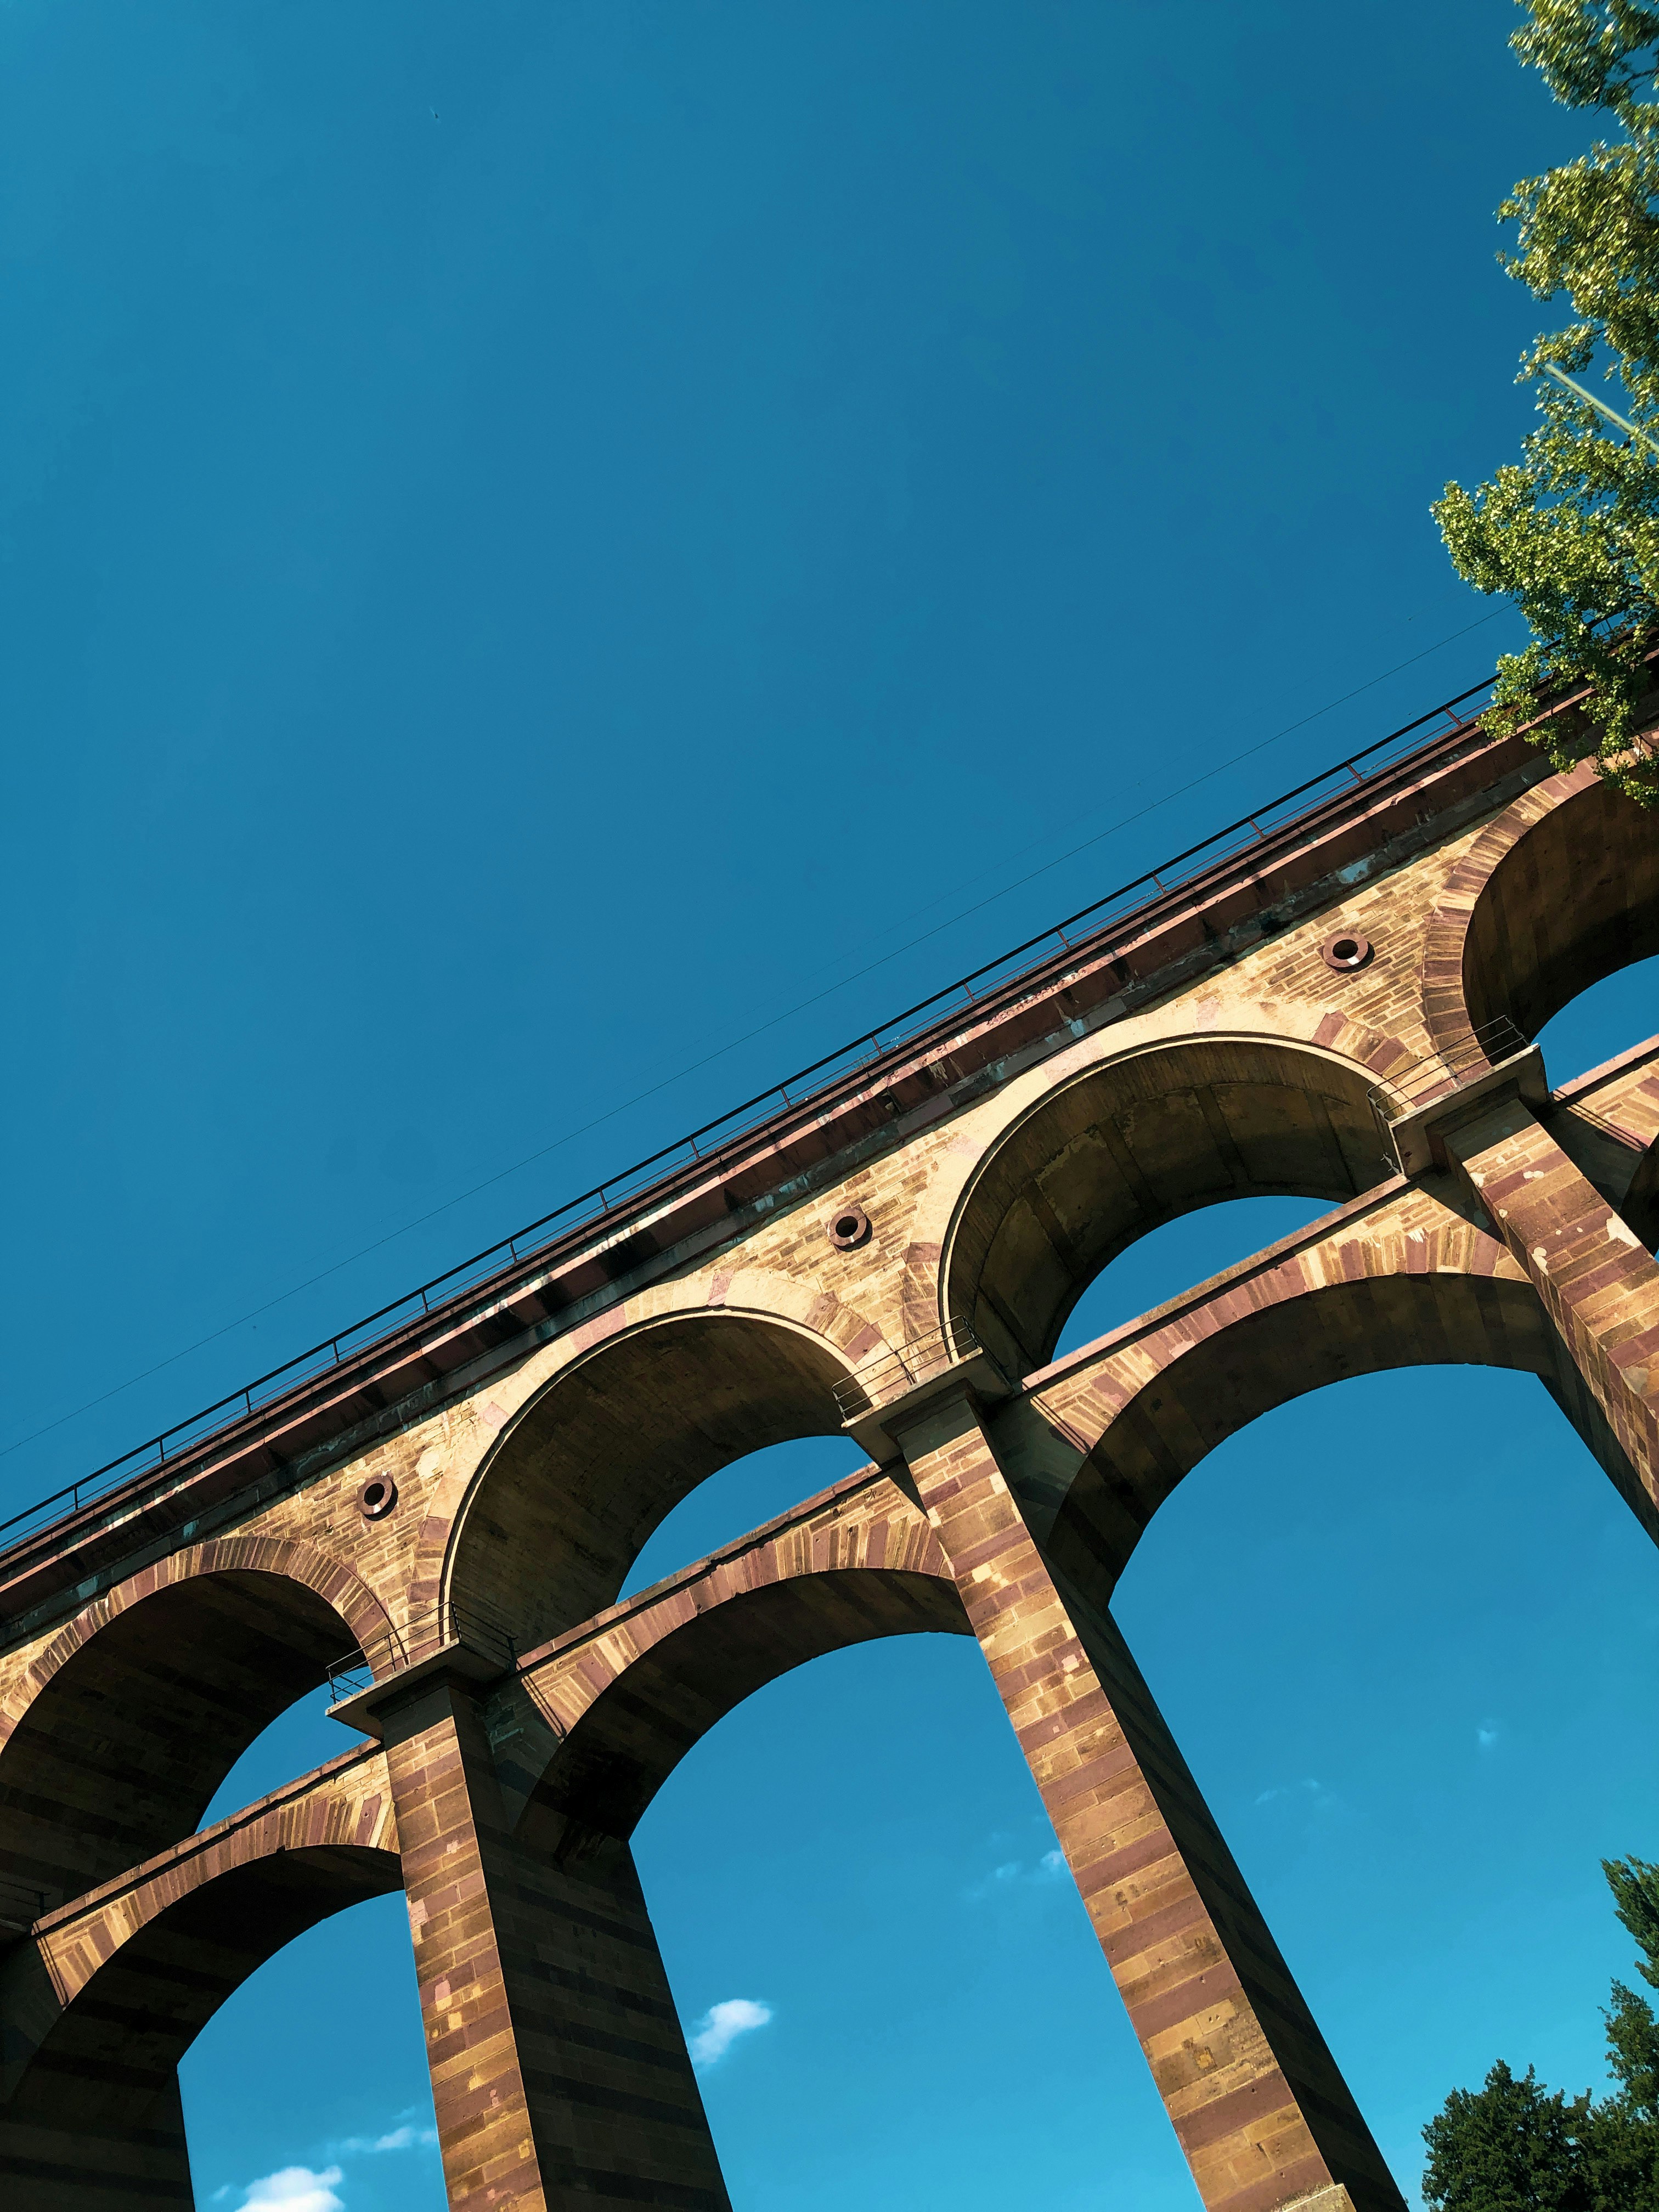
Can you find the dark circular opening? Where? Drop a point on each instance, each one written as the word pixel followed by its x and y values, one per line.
pixel 1347 948
pixel 377 1497
pixel 847 1225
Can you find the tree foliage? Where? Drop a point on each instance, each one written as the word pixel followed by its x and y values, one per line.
pixel 1509 2146
pixel 1571 532
pixel 1513 2146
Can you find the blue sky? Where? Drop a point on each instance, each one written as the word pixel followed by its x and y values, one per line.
pixel 558 560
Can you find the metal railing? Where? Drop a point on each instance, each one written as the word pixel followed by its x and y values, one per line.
pixel 633 1184
pixel 366 1663
pixel 483 1629
pixel 1418 1082
pixel 349 1675
pixel 377 1658
pixel 889 1374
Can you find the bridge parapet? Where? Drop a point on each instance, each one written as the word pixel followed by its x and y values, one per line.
pixel 465 1494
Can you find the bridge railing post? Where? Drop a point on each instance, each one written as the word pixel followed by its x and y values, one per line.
pixel 1256 2100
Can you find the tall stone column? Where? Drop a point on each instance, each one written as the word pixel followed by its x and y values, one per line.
pixel 1597 1281
pixel 560 2075
pixel 1263 2115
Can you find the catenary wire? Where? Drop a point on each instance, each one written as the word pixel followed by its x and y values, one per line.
pixel 734 1044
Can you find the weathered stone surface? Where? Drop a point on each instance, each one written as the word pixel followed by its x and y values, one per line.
pixel 105 1995
pixel 538 1426
pixel 1260 2110
pixel 1592 1275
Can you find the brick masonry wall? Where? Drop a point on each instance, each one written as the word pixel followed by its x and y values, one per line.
pixel 1255 2097
pixel 1590 1269
pixel 559 2071
pixel 175 1632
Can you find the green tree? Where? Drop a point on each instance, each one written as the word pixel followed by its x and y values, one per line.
pixel 1511 2145
pixel 1571 532
pixel 1626 2155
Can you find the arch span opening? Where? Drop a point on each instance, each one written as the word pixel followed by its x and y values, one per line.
pixel 1210 1386
pixel 598 1725
pixel 1610 1018
pixel 1177 1256
pixel 1607 1033
pixel 301 1738
pixel 264 2091
pixel 1126 1147
pixel 91 2102
pixel 861 1848
pixel 611 1763
pixel 121 1751
pixel 611 1446
pixel 1405 1635
pixel 744 1494
pixel 1574 899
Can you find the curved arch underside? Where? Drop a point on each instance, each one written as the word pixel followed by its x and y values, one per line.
pixel 1116 1152
pixel 96 2109
pixel 1204 1393
pixel 1572 900
pixel 610 1448
pixel 119 1752
pixel 614 1760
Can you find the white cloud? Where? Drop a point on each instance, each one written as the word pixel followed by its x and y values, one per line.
pixel 722 2024
pixel 295 2188
pixel 308 2188
pixel 1310 1790
pixel 1013 1872
pixel 406 2137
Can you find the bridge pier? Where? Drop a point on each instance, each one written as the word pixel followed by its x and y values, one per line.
pixel 1262 2113
pixel 1594 1276
pixel 560 2073
pixel 502 1443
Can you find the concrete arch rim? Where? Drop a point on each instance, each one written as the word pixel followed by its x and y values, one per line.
pixel 657 1612
pixel 283 1835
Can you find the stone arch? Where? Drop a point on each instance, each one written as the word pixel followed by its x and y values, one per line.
pixel 628 1424
pixel 1105 1448
pixel 128 1720
pixel 620 1709
pixel 102 2000
pixel 1117 1147
pixel 1560 890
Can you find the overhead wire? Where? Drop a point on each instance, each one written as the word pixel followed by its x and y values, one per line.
pixel 735 1044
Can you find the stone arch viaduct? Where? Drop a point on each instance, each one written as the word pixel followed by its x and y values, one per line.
pixel 1340 1009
